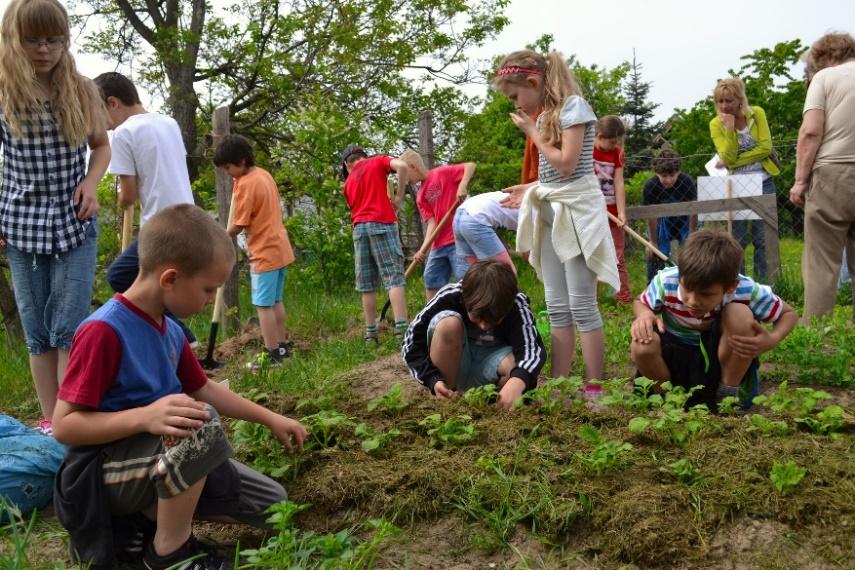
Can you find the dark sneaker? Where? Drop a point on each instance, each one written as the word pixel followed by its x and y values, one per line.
pixel 190 556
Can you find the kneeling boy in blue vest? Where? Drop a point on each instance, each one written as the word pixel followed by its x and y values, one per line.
pixel 476 332
pixel 700 324
pixel 142 419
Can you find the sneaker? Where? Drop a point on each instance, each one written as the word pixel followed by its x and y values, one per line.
pixel 45 426
pixel 190 556
pixel 371 340
pixel 592 394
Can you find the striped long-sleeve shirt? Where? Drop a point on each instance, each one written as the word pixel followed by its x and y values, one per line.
pixel 516 330
pixel 663 296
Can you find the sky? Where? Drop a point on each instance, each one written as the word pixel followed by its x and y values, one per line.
pixel 683 46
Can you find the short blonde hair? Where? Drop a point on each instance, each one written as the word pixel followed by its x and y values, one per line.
pixel 736 88
pixel 184 236
pixel 414 161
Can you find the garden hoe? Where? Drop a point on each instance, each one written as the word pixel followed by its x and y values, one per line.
pixel 208 362
pixel 646 243
pixel 424 250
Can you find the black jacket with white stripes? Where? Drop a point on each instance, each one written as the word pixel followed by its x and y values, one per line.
pixel 516 330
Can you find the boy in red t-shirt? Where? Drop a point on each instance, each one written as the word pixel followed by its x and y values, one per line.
pixel 608 167
pixel 376 243
pixel 444 187
pixel 257 211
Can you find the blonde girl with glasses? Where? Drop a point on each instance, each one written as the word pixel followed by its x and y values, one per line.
pixel 49 116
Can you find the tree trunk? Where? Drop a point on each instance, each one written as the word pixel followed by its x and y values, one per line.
pixel 9 312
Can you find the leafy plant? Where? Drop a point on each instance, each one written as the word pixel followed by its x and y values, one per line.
pixel 265 453
pixel 481 396
pixel 767 427
pixel 800 400
pixel 293 549
pixel 392 402
pixel 683 471
pixel 830 420
pixel 642 398
pixel 328 427
pixel 454 431
pixel 728 405
pixel 787 476
pixel 550 396
pixel 374 442
pixel 681 426
pixel 606 454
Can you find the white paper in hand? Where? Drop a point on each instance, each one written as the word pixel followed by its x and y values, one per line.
pixel 712 167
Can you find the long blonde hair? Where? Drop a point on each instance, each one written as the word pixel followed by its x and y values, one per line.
pixel 77 106
pixel 559 83
pixel 736 87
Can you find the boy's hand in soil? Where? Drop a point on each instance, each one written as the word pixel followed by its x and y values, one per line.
pixel 175 415
pixel 442 391
pixel 288 430
pixel 644 326
pixel 510 393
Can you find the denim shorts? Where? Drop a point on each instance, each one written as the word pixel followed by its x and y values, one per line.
pixel 54 292
pixel 267 286
pixel 479 364
pixel 443 264
pixel 475 239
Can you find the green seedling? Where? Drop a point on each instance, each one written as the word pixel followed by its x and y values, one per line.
pixel 454 431
pixel 673 420
pixel 786 477
pixel 606 454
pixel 766 427
pixel 729 405
pixel 799 400
pixel 392 402
pixel 292 549
pixel 551 395
pixel 684 472
pixel 642 398
pixel 265 453
pixel 482 396
pixel 374 442
pixel 328 427
pixel 827 422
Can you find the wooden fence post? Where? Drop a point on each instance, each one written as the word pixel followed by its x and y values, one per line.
pixel 9 312
pixel 231 308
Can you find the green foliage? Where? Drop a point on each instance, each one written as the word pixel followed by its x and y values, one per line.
pixel 18 533
pixel 766 427
pixel 800 400
pixel 828 421
pixel 634 187
pixel 391 402
pixel 328 427
pixel 823 352
pixel 786 476
pixel 374 442
pixel 729 405
pixel 263 452
pixel 454 431
pixel 672 419
pixel 550 396
pixel 641 398
pixel 481 396
pixel 684 472
pixel 638 110
pixel 292 549
pixel 606 453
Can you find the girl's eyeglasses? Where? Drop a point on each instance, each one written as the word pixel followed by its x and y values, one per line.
pixel 53 43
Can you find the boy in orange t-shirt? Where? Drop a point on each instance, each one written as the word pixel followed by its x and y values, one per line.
pixel 257 211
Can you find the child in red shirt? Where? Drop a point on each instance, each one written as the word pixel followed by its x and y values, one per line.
pixel 608 167
pixel 376 243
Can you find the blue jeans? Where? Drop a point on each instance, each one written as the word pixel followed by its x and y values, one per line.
pixel 443 264
pixel 756 231
pixel 123 272
pixel 54 292
pixel 474 239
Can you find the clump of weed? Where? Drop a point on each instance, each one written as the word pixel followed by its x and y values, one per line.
pixel 392 402
pixel 257 446
pixel 606 453
pixel 453 431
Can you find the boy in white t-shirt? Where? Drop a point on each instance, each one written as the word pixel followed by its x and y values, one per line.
pixel 149 157
pixel 475 225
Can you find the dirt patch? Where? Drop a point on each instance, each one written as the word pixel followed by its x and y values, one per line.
pixel 376 378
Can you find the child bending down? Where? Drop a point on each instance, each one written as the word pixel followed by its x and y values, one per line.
pixel 699 324
pixel 475 225
pixel 476 332
pixel 143 421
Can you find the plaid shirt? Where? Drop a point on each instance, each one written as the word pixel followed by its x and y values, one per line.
pixel 40 173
